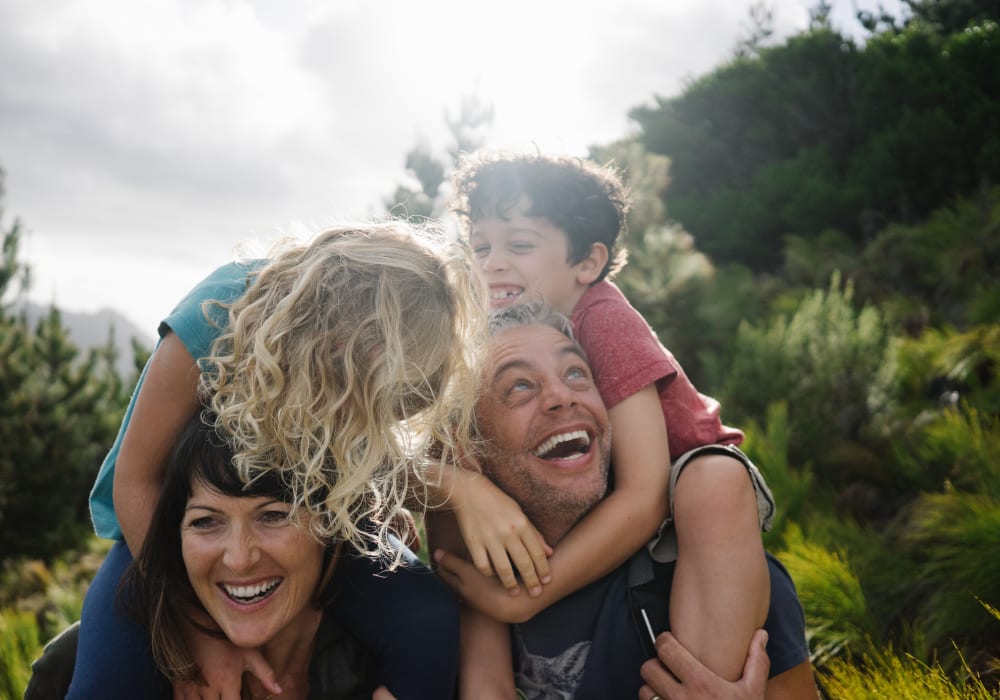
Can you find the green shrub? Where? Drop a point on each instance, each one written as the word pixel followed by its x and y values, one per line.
pixel 822 361
pixel 954 537
pixel 19 646
pixel 837 618
pixel 795 494
pixel 886 674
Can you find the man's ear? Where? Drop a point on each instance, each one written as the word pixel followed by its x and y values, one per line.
pixel 589 269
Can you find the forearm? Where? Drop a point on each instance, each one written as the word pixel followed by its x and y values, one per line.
pixel 609 534
pixel 135 499
pixel 167 400
pixel 485 663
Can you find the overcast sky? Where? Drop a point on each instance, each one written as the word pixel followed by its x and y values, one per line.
pixel 143 140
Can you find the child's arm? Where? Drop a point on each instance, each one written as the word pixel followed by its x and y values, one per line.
pixel 167 400
pixel 721 586
pixel 496 533
pixel 614 530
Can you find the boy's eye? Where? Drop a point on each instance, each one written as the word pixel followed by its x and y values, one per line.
pixel 481 251
pixel 522 246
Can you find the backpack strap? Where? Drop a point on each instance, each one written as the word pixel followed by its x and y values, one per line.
pixel 649 585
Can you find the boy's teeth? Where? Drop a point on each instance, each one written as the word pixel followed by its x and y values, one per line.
pixel 549 444
pixel 503 295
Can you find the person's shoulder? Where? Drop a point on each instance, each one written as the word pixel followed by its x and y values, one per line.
pixel 196 319
pixel 786 646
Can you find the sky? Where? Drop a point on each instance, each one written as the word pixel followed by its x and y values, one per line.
pixel 144 143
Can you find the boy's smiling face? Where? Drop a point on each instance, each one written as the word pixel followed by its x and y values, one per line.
pixel 526 258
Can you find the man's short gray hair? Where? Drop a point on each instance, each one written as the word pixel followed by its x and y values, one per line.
pixel 534 313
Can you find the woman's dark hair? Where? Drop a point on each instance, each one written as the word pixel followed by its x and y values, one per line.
pixel 156 589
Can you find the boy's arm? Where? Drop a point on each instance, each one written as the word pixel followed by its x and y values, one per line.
pixel 496 534
pixel 613 531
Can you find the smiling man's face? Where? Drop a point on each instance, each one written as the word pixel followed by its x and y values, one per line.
pixel 548 440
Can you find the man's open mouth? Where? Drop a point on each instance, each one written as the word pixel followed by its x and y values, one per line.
pixel 564 446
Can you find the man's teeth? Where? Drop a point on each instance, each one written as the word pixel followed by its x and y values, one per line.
pixel 250 592
pixel 556 440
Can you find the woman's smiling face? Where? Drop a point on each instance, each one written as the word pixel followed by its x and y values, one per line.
pixel 253 568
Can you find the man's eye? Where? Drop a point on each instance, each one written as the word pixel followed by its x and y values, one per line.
pixel 576 373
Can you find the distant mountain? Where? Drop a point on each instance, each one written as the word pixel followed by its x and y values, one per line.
pixel 91 330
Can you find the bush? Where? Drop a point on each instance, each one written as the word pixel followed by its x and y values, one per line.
pixel 886 674
pixel 836 612
pixel 821 361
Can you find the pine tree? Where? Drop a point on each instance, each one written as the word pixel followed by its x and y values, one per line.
pixel 58 415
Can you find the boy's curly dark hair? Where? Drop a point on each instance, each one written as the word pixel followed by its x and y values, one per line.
pixel 587 201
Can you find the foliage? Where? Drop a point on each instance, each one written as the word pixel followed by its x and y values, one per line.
pixel 945 530
pixel 19 646
pixel 820 135
pixel 821 361
pixel 37 601
pixel 793 488
pixel 837 617
pixel 58 414
pixel 422 197
pixel 887 674
pixel 14 274
pixel 57 417
pixel 944 270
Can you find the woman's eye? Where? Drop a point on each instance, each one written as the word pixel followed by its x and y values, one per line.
pixel 203 523
pixel 274 517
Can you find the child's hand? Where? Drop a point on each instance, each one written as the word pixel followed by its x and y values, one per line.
pixel 222 667
pixel 497 533
pixel 483 593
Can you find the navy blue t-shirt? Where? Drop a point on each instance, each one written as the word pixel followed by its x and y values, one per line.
pixel 589 645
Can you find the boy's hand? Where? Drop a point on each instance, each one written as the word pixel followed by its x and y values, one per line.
pixel 483 593
pixel 222 667
pixel 499 536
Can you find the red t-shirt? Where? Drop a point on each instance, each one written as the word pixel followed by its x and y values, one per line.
pixel 625 356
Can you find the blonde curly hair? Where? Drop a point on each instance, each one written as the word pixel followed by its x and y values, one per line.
pixel 343 363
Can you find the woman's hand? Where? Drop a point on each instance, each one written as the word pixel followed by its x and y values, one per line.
pixel 222 667
pixel 483 593
pixel 499 535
